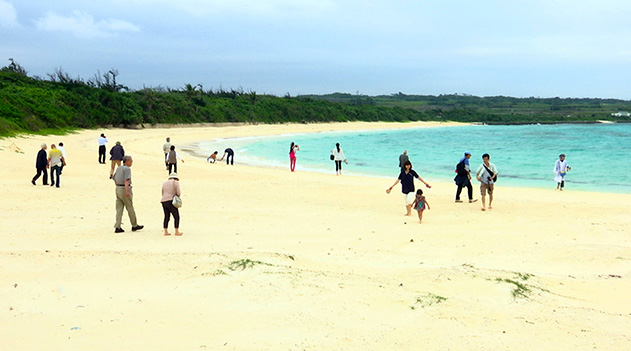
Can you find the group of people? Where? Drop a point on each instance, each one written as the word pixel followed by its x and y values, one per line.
pixel 486 174
pixel 170 190
pixel 117 153
pixel 55 160
pixel 170 156
pixel 337 155
pixel 120 173
pixel 228 154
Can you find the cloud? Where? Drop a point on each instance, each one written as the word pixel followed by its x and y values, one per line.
pixel 8 15
pixel 255 8
pixel 83 25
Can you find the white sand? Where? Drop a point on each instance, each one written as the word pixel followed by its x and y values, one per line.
pixel 336 265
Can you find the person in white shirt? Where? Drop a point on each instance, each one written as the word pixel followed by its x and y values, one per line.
pixel 60 146
pixel 487 175
pixel 560 170
pixel 338 157
pixel 102 148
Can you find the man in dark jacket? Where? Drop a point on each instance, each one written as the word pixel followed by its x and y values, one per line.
pixel 117 153
pixel 41 164
pixel 403 158
pixel 463 177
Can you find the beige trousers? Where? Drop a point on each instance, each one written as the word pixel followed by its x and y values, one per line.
pixel 123 201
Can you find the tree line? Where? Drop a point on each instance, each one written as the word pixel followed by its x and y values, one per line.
pixel 61 102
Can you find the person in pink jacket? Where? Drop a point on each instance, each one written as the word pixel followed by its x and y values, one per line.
pixel 171 188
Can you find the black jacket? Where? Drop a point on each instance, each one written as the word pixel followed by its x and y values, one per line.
pixel 117 153
pixel 42 161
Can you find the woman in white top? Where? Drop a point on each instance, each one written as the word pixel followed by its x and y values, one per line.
pixel 292 155
pixel 338 157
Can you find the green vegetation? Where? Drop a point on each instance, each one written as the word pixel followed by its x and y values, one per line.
pixel 495 109
pixel 428 300
pixel 520 289
pixel 245 263
pixel 32 104
pixel 62 103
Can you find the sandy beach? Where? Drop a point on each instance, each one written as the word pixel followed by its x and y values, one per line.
pixel 275 260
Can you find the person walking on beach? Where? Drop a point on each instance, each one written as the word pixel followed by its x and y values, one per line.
pixel 61 148
pixel 406 177
pixel 403 158
pixel 292 155
pixel 560 170
pixel 230 158
pixel 338 157
pixel 463 177
pixel 166 148
pixel 124 196
pixel 171 160
pixel 419 204
pixel 117 153
pixel 487 175
pixel 55 161
pixel 170 188
pixel 102 142
pixel 41 165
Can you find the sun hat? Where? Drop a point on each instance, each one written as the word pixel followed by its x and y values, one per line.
pixel 173 175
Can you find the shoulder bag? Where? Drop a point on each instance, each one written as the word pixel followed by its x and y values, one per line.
pixel 177 201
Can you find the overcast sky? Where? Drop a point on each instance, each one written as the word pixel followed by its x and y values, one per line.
pixel 522 48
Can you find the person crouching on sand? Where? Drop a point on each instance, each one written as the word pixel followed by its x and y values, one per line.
pixel 213 157
pixel 419 204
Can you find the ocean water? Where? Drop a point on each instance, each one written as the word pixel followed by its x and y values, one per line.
pixel 524 154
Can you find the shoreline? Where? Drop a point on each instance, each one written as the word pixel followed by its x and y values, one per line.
pixel 272 260
pixel 196 149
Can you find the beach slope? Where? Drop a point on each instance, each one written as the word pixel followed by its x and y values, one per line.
pixel 275 260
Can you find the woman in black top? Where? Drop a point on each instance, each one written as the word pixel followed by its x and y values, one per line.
pixel 406 177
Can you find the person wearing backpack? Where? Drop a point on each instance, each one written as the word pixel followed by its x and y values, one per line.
pixel 487 175
pixel 463 177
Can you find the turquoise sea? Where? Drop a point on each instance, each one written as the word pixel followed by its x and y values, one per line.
pixel 524 154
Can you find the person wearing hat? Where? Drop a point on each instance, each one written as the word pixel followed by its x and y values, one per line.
pixel 463 177
pixel 170 188
pixel 117 153
pixel 41 165
pixel 102 142
pixel 560 170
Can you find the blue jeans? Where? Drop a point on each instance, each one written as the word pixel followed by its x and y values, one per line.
pixel 55 170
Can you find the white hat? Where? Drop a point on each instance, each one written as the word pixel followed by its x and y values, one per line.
pixel 173 175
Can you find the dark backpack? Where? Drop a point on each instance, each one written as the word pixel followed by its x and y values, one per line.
pixel 460 170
